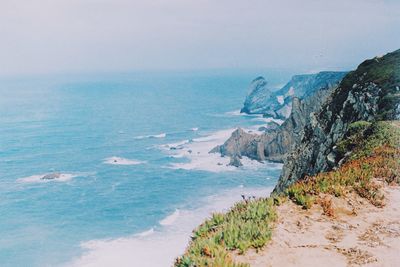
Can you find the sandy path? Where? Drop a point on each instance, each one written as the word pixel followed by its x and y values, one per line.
pixel 358 234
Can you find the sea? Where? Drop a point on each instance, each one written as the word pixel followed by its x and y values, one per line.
pixel 131 154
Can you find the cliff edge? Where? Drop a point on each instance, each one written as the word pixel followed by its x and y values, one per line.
pixel 370 93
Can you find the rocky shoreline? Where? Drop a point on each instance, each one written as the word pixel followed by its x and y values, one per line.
pixel 277 140
pixel 370 93
pixel 340 147
pixel 305 142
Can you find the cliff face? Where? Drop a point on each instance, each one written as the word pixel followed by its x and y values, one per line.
pixel 277 141
pixel 292 130
pixel 371 92
pixel 278 104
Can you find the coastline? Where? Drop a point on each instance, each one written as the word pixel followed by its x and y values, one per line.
pixel 163 243
pixel 347 216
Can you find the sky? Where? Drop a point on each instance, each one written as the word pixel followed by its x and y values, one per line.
pixel 60 36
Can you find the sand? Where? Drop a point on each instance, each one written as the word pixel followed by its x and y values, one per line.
pixel 357 234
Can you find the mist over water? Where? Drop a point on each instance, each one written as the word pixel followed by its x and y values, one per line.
pixel 109 138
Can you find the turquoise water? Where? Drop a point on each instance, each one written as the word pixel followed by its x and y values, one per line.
pixel 71 124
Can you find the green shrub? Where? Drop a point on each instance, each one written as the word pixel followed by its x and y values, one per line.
pixel 247 225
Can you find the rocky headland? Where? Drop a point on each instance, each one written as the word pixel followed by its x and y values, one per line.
pixel 370 93
pixel 261 99
pixel 277 141
pixel 338 195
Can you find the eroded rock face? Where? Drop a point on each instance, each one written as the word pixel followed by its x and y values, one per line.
pixel 368 93
pixel 278 104
pixel 242 144
pixel 276 141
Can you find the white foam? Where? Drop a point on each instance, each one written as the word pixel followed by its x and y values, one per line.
pixel 177 156
pixel 146 233
pixel 178 145
pixel 159 248
pixel 194 129
pixel 235 113
pixel 161 135
pixel 196 152
pixel 267 120
pixel 170 219
pixel 122 161
pixel 64 177
pixel 254 164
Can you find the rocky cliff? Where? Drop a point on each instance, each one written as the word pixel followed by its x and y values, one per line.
pixel 261 99
pixel 370 93
pixel 277 140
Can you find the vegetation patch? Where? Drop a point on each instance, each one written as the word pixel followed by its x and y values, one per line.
pixel 375 156
pixel 247 225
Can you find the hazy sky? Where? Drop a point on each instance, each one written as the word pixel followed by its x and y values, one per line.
pixel 41 36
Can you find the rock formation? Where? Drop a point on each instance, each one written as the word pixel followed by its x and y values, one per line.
pixel 278 104
pixel 258 97
pixel 276 141
pixel 371 92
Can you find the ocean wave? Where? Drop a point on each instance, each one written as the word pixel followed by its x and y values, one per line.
pixel 160 248
pixel 170 219
pixel 194 129
pixel 197 152
pixel 234 113
pixel 122 161
pixel 161 135
pixel 47 177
